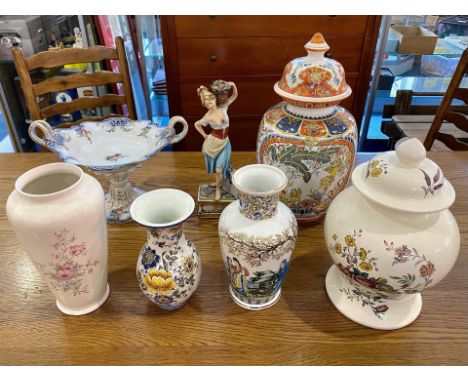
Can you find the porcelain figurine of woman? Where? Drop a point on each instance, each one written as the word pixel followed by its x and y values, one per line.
pixel 216 145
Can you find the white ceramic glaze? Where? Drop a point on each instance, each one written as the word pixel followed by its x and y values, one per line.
pixel 414 184
pixel 168 267
pixel 58 214
pixel 257 237
pixel 391 236
pixel 112 146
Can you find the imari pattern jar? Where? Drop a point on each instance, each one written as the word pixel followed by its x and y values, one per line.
pixel 308 136
pixel 257 235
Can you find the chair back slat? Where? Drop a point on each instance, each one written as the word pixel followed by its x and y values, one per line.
pixel 445 114
pixel 82 103
pixel 451 142
pixel 461 94
pixel 458 119
pixel 53 59
pixel 77 80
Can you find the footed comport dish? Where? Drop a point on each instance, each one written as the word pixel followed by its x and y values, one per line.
pixel 113 146
pixel 391 236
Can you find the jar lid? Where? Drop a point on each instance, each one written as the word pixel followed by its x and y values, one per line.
pixel 314 78
pixel 405 180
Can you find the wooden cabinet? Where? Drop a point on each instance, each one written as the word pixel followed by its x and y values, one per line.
pixel 252 51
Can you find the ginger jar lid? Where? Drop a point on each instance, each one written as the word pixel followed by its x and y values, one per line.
pixel 405 180
pixel 313 79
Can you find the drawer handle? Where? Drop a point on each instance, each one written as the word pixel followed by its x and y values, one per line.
pixel 212 17
pixel 213 57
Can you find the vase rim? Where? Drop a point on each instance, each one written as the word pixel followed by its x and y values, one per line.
pixel 256 170
pixel 48 169
pixel 161 208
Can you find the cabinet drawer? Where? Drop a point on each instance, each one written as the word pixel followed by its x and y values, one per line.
pixel 263 55
pixel 267 26
pixel 256 95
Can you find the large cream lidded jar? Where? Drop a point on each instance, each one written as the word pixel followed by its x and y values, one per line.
pixel 391 236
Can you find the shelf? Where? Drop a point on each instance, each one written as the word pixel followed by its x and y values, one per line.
pixel 443 48
pixel 153 49
pixel 418 72
pixel 423 84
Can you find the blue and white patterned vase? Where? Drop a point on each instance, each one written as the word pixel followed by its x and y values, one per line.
pixel 168 267
pixel 257 235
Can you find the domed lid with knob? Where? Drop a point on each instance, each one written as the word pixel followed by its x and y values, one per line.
pixel 405 180
pixel 313 79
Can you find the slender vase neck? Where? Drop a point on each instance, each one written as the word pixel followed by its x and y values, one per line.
pixel 255 207
pixel 165 236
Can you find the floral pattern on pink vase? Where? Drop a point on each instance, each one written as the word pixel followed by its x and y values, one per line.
pixel 58 214
pixel 70 262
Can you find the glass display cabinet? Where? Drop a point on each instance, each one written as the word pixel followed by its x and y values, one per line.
pixel 408 61
pixel 34 34
pixel 152 63
pixel 143 45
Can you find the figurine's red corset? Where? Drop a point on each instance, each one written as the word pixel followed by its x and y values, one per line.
pixel 220 133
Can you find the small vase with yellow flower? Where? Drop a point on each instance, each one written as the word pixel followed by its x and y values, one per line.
pixel 168 267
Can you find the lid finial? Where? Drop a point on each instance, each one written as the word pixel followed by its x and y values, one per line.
pixel 317 43
pixel 410 152
pixel 317 38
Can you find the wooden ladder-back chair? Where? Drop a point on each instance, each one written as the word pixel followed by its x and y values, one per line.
pixel 53 59
pixel 459 119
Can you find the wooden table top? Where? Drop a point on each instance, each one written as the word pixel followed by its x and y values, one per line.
pixel 302 328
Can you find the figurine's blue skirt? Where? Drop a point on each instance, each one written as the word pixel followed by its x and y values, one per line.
pixel 221 161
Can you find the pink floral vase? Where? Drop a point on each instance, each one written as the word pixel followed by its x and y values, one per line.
pixel 58 214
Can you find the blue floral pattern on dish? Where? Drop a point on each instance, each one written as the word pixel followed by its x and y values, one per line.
pixel 106 135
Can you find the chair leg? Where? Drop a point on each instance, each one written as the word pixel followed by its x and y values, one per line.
pixel 393 131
